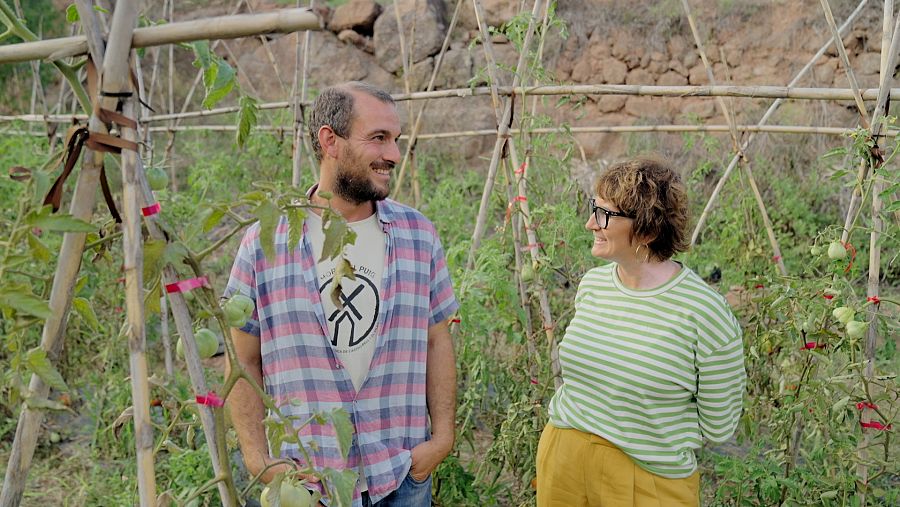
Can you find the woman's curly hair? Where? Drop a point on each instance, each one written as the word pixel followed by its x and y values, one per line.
pixel 652 192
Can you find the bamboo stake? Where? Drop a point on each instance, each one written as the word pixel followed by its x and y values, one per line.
pixel 769 112
pixel 872 286
pixel 301 72
pixel 530 232
pixel 502 137
pixel 842 52
pixel 600 129
pixel 730 118
pixel 414 133
pixel 115 79
pixel 53 332
pixel 221 27
pixel 406 62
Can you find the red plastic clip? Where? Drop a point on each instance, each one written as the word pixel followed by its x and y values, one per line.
pixel 186 285
pixel 151 210
pixel 873 299
pixel 875 425
pixel 812 345
pixel 211 399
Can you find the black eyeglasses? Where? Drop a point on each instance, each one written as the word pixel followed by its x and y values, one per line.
pixel 599 212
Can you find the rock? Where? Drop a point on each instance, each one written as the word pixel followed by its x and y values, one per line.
pixel 677 66
pixel 672 78
pixel 611 103
pixel 496 12
pixel 583 72
pixel 697 75
pixel 356 15
pixel 640 77
pixel 868 63
pixel 456 69
pixel 613 71
pixel 430 29
pixel 360 41
pixel 643 107
pixel 507 57
pixel 699 108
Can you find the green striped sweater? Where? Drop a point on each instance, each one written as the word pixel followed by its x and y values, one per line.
pixel 652 371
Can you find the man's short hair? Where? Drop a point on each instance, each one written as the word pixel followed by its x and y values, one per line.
pixel 334 107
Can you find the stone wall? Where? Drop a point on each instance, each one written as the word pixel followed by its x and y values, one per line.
pixel 758 43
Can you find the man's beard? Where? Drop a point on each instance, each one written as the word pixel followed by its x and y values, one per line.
pixel 352 181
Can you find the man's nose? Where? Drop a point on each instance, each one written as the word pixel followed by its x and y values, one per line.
pixel 393 152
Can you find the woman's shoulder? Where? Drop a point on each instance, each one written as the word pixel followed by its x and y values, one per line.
pixel 703 293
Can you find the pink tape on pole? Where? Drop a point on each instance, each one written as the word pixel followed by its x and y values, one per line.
pixel 521 169
pixel 865 404
pixel 151 210
pixel 186 285
pixel 875 425
pixel 520 198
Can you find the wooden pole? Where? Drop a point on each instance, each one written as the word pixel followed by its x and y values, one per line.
pixel 730 117
pixel 115 80
pixel 842 52
pixel 769 112
pixel 415 126
pixel 52 335
pixel 502 137
pixel 888 57
pixel 222 27
pixel 298 95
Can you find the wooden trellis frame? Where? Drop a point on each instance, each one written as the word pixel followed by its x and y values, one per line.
pixel 136 190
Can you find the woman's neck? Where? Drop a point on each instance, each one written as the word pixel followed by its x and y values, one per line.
pixel 647 275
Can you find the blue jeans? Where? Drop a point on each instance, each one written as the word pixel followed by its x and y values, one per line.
pixel 411 493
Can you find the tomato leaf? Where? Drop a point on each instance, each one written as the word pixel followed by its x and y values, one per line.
pixel 24 302
pixel 47 221
pixel 342 483
pixel 154 250
pixel 213 218
pixel 37 361
pixel 38 403
pixel 84 310
pixel 247 118
pixel 295 217
pixel 343 428
pixel 268 215
pixel 38 248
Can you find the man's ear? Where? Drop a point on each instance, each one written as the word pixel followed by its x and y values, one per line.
pixel 328 141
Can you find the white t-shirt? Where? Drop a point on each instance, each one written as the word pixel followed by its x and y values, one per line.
pixel 353 329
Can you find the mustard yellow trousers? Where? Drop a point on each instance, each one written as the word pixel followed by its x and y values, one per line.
pixel 577 469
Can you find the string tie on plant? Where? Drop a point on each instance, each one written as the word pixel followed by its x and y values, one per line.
pixel 776 258
pixel 520 198
pixel 812 346
pixel 534 381
pixel 532 246
pixel 186 285
pixel 828 296
pixel 875 425
pixel 210 399
pixel 873 299
pixel 759 286
pixel 456 320
pixel 865 404
pixel 520 170
pixel 151 210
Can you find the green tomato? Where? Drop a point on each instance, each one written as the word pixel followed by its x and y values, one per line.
pixel 238 309
pixel 856 329
pixel 815 250
pixel 207 344
pixel 157 178
pixel 291 496
pixel 527 273
pixel 836 250
pixel 843 314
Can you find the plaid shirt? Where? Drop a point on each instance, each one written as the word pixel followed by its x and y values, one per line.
pixel 298 362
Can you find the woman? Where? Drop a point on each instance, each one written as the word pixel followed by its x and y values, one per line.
pixel 652 361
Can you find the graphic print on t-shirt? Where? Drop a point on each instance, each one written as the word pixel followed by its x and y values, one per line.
pixel 353 324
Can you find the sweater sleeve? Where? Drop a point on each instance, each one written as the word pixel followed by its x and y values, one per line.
pixel 720 387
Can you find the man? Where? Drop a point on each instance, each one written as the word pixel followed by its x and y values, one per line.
pixel 385 356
